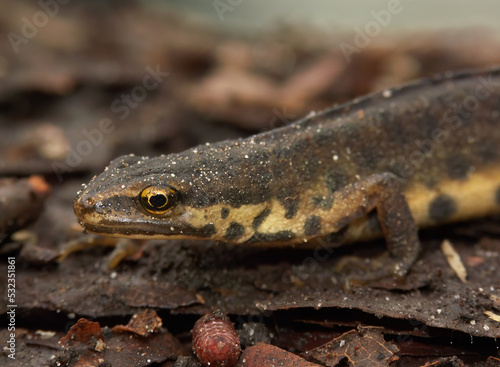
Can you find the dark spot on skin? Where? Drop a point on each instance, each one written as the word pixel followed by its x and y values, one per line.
pixel 488 151
pixel 336 180
pixel 234 231
pixel 316 200
pixel 497 196
pixel 442 207
pixel 327 204
pixel 291 206
pixel 259 219
pixel 458 167
pixel 283 236
pixel 208 231
pixel 430 181
pixel 312 225
pixel 290 202
pixel 322 202
pixel 224 213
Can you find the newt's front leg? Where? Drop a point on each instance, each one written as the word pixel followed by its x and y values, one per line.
pixel 123 247
pixel 384 193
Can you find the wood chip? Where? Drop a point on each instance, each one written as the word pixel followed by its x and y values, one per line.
pixel 492 316
pixel 454 260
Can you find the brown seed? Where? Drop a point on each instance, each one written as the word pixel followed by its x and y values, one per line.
pixel 215 340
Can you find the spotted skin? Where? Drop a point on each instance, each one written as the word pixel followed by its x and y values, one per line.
pixel 224 213
pixel 235 231
pixel 442 208
pixel 336 180
pixel 312 226
pixel 417 155
pixel 458 167
pixel 260 218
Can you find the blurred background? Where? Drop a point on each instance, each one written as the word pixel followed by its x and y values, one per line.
pixel 331 16
pixel 221 69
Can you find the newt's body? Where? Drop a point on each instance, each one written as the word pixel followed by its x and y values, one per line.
pixel 432 146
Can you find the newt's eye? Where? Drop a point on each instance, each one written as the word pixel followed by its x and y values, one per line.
pixel 158 199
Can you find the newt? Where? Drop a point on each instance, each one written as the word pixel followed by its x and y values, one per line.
pixel 413 156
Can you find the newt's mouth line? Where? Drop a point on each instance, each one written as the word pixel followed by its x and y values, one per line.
pixel 129 231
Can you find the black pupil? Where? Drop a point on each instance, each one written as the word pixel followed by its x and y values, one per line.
pixel 158 200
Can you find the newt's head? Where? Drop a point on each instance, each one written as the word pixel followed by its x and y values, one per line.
pixel 140 197
pixel 193 194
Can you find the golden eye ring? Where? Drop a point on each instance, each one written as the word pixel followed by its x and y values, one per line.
pixel 158 199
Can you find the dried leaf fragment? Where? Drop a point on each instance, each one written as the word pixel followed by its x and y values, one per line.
pixel 143 323
pixel 266 355
pixel 85 342
pixel 82 332
pixel 362 347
